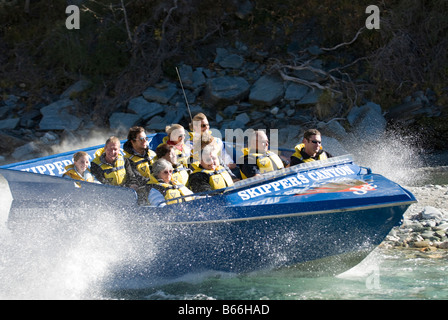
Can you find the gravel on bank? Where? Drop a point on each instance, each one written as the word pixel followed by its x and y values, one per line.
pixel 425 224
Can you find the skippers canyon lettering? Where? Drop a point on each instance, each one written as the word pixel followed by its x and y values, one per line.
pixel 295 181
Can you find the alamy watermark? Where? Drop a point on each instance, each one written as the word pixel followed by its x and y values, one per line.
pixel 373 278
pixel 73 21
pixel 373 21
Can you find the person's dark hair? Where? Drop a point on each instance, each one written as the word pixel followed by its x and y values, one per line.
pixel 163 150
pixel 134 131
pixel 310 132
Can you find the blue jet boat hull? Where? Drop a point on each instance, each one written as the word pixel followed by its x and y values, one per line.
pixel 332 211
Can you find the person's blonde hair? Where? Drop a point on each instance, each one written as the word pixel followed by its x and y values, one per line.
pixel 171 128
pixel 199 117
pixel 78 155
pixel 112 139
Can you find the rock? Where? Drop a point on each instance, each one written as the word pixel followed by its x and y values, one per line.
pixel 28 120
pixel 421 244
pixel 27 151
pixel 76 88
pixel 219 118
pixel 333 129
pixel 221 53
pixel 56 116
pixel 306 74
pixel 226 90
pixel 233 61
pixel 315 50
pixel 367 121
pixel 311 97
pixel 161 93
pixel 243 118
pixel 198 78
pixel 9 124
pixel 123 121
pixel 156 123
pixel 4 111
pixel 413 225
pixel 429 235
pixel 404 112
pixel 50 139
pixel 295 92
pixel 443 245
pixel 230 110
pixel 255 115
pixel 333 146
pixel 186 74
pixel 144 108
pixel 11 101
pixel 8 143
pixel 244 9
pixel 267 91
pixel 173 114
pixel 431 213
pixel 275 110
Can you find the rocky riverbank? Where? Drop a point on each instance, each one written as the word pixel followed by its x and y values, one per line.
pixel 239 90
pixel 425 224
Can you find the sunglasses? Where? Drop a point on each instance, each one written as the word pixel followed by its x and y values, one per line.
pixel 142 139
pixel 168 172
pixel 315 141
pixel 204 125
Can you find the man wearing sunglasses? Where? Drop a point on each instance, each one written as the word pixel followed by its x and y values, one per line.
pixel 140 156
pixel 310 149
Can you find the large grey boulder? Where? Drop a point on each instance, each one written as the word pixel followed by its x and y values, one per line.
pixel 367 121
pixel 123 121
pixel 295 92
pixel 161 93
pixel 267 91
pixel 57 116
pixel 144 108
pixel 226 90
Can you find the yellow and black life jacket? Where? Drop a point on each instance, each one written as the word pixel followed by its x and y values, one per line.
pixel 195 155
pixel 115 174
pixel 218 178
pixel 298 148
pixel 141 164
pixel 180 174
pixel 266 162
pixel 71 172
pixel 172 192
pixel 182 156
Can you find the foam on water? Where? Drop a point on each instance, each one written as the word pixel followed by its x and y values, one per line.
pixel 393 156
pixel 59 262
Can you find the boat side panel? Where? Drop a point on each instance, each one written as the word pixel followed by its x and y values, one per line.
pixel 54 165
pixel 245 246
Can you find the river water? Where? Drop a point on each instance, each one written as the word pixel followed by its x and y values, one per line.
pixel 40 264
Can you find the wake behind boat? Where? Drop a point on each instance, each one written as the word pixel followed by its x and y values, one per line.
pixel 330 211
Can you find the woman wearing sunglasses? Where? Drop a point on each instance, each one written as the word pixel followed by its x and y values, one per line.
pixel 175 137
pixel 310 149
pixel 162 190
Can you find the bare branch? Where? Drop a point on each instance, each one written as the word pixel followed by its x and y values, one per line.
pixel 345 43
pixel 126 22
